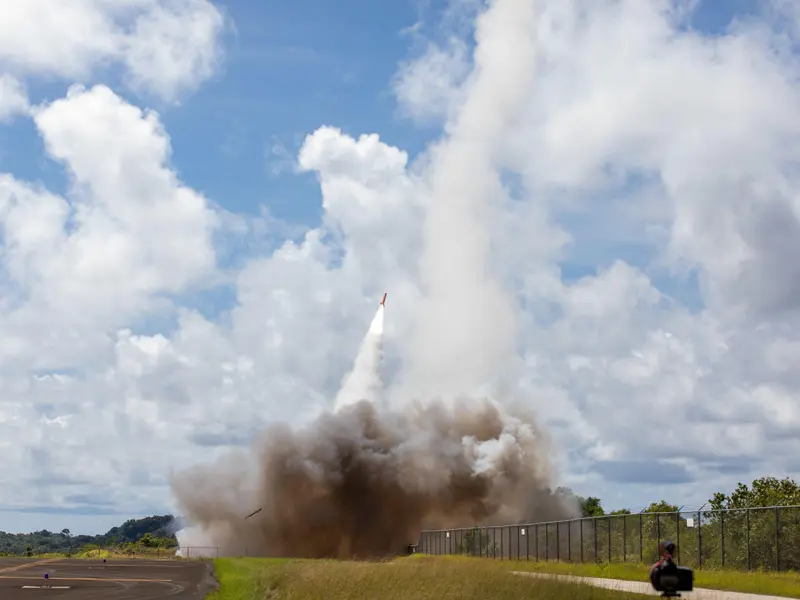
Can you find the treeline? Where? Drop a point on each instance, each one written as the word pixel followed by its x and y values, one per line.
pixel 763 492
pixel 155 532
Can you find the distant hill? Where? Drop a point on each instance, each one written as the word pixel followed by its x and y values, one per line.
pixel 156 530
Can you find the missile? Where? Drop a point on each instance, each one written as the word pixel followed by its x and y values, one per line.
pixel 255 512
pixel 383 302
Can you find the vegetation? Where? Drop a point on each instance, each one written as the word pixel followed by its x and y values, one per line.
pixel 724 535
pixel 422 577
pixel 755 582
pixel 147 533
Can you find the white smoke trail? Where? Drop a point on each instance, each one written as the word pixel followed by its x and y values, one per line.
pixel 363 382
pixel 464 334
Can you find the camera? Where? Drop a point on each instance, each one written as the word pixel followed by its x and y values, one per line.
pixel 667 577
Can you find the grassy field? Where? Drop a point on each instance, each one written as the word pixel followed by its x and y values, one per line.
pixel 166 553
pixel 757 582
pixel 421 578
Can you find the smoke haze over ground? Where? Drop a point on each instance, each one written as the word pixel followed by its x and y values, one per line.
pixel 364 479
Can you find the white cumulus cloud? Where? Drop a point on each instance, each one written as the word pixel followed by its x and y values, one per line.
pixel 166 47
pixel 13 98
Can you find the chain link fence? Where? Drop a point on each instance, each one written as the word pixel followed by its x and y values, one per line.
pixel 753 538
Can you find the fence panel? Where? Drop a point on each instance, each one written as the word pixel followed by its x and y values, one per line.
pixel 754 538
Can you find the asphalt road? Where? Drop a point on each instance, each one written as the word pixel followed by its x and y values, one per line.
pixel 122 579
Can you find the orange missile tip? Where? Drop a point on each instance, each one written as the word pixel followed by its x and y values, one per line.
pixel 383 302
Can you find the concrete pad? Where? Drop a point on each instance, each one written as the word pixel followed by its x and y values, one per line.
pixel 641 587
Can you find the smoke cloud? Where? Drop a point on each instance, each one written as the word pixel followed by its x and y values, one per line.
pixel 464 334
pixel 365 478
pixel 362 482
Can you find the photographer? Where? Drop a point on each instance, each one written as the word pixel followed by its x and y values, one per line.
pixel 666 576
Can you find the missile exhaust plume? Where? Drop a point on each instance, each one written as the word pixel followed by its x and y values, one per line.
pixel 364 381
pixel 464 331
pixel 363 479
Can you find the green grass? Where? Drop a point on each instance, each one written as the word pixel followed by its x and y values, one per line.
pixel 99 553
pixel 425 578
pixel 757 582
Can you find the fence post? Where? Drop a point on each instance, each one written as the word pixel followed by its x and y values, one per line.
pixel 594 535
pixel 641 540
pixel 777 539
pixel 547 542
pixel 624 538
pixel 558 540
pixel 569 541
pixel 527 542
pixel 658 534
pixel 747 536
pixel 581 536
pixel 722 536
pixel 699 538
pixel 502 545
pixel 678 534
pixel 537 542
pixel 609 539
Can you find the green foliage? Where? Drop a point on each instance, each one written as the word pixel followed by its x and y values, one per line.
pixel 662 506
pixel 133 531
pixel 476 542
pixel 591 507
pixel 767 491
pixel 728 536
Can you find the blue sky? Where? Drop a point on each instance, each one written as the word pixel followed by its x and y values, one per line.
pixel 290 67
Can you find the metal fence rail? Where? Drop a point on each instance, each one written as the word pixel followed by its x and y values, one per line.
pixel 751 538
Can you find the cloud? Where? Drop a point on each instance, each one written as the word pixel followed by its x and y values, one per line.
pixel 628 109
pixel 13 98
pixel 428 86
pixel 127 238
pixel 686 142
pixel 128 241
pixel 642 472
pixel 166 47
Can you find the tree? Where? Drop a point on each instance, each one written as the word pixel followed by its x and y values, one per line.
pixel 751 530
pixel 662 506
pixel 591 507
pixel 766 491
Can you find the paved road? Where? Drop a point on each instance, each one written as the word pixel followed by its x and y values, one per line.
pixel 124 579
pixel 638 587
